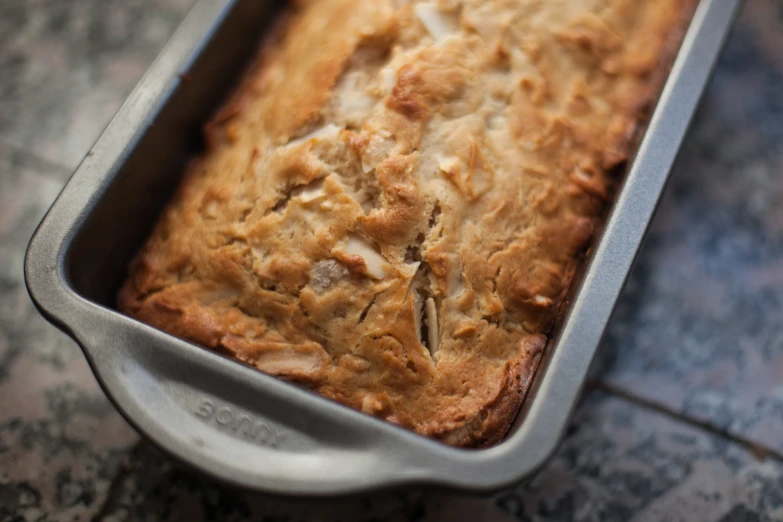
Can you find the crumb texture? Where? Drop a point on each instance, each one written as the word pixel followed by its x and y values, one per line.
pixel 393 204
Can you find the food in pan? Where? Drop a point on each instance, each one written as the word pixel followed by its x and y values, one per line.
pixel 392 206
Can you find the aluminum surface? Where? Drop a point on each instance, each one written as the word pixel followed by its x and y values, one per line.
pixel 253 430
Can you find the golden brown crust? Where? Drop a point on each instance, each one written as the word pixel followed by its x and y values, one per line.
pixel 394 203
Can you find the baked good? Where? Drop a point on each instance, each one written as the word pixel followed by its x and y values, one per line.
pixel 392 206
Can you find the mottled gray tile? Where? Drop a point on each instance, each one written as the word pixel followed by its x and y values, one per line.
pixel 622 463
pixel 155 489
pixel 619 462
pixel 66 66
pixel 699 326
pixel 766 17
pixel 61 441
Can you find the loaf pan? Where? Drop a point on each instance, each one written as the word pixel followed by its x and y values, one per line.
pixel 256 431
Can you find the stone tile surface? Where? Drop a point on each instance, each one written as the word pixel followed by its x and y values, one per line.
pixel 66 66
pixel 699 326
pixel 61 441
pixel 619 463
pixel 622 463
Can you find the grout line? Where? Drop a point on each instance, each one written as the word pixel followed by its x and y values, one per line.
pixel 37 160
pixel 760 451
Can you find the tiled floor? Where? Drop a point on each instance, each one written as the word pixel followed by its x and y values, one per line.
pixel 686 424
pixel 68 65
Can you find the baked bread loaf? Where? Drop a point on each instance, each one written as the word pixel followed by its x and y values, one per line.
pixel 393 204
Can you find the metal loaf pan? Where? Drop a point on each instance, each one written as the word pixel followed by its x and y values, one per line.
pixel 256 431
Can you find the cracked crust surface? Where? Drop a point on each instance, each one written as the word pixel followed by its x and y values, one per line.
pixel 393 204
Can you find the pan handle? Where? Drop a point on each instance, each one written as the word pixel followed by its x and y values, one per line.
pixel 241 426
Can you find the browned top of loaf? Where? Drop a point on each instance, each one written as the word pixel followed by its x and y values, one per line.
pixel 393 205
